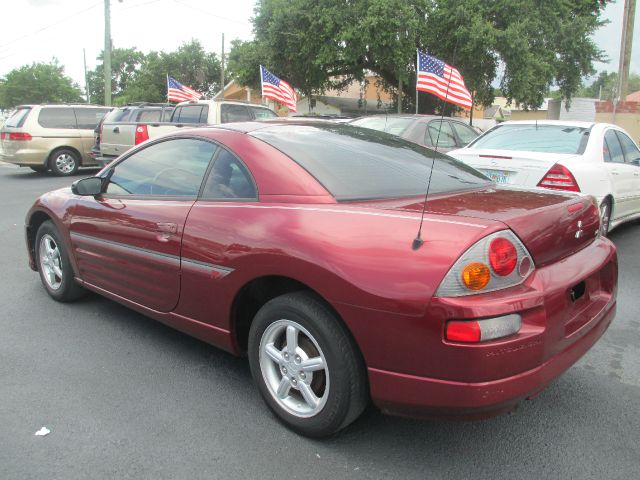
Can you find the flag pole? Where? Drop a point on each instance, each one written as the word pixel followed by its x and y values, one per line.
pixel 261 86
pixel 417 91
pixel 168 101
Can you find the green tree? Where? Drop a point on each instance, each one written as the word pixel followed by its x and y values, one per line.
pixel 606 85
pixel 125 62
pixel 38 83
pixel 190 64
pixel 528 46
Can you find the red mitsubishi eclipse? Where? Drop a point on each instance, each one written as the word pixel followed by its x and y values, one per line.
pixel 295 244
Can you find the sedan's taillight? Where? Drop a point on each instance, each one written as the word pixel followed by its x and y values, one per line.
pixel 142 134
pixel 497 261
pixel 559 178
pixel 17 136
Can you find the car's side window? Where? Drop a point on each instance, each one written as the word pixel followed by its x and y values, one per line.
pixel 612 151
pixel 630 150
pixel 228 179
pixel 57 117
pixel 439 134
pixel 189 114
pixel 172 168
pixel 465 134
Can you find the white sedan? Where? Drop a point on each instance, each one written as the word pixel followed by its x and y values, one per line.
pixel 593 158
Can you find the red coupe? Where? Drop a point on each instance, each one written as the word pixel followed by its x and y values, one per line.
pixel 296 244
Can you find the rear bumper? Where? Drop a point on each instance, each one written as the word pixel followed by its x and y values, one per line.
pixel 414 396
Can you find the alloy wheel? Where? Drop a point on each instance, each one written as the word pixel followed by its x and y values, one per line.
pixel 294 368
pixel 50 262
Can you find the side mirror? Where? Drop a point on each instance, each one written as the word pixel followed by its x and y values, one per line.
pixel 91 186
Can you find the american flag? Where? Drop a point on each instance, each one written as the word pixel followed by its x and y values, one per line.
pixel 177 92
pixel 444 81
pixel 278 90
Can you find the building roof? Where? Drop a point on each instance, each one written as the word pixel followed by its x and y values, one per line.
pixel 634 97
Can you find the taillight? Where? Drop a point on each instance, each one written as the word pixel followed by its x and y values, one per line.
pixel 142 134
pixel 473 331
pixel 559 178
pixel 2 136
pixel 19 136
pixel 497 261
pixel 502 256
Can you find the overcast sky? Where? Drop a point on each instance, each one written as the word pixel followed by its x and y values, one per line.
pixel 37 30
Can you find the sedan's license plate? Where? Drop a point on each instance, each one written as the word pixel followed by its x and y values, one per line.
pixel 498 176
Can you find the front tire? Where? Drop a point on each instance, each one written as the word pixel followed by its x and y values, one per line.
pixel 54 266
pixel 306 365
pixel 64 162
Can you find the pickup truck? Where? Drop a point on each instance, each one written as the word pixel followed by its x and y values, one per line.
pixel 117 137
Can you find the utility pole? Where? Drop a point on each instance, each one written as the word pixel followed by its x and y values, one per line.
pixel 86 83
pixel 222 68
pixel 107 53
pixel 399 94
pixel 625 54
pixel 625 48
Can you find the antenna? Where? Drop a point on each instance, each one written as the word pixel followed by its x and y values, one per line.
pixel 418 241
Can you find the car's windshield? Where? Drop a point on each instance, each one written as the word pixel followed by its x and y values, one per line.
pixel 535 138
pixel 393 125
pixel 360 164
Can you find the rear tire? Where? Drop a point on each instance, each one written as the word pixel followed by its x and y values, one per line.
pixel 306 365
pixel 605 217
pixel 54 266
pixel 64 162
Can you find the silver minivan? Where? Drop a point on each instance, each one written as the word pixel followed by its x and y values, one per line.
pixel 51 137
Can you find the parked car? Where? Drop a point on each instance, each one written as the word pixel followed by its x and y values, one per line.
pixel 127 118
pixel 429 130
pixel 117 136
pixel 51 137
pixel 295 243
pixel 595 158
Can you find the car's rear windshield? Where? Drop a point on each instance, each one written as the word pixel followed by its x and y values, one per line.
pixel 393 125
pixel 361 164
pixel 17 119
pixel 535 138
pixel 118 115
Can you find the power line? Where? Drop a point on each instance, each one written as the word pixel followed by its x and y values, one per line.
pixel 211 14
pixel 48 26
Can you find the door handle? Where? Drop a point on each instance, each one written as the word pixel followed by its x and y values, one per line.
pixel 171 228
pixel 116 130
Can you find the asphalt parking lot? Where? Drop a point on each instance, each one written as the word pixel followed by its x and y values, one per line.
pixel 126 397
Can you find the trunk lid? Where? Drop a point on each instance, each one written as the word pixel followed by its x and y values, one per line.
pixel 551 225
pixel 509 167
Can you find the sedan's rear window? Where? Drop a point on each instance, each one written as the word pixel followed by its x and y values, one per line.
pixel 360 164
pixel 535 138
pixel 392 125
pixel 18 118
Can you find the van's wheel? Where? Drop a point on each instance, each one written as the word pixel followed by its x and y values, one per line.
pixel 605 216
pixel 64 162
pixel 306 365
pixel 54 266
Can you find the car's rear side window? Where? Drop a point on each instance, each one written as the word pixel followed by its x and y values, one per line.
pixel 57 117
pixel 191 114
pixel 359 164
pixel 88 118
pixel 149 115
pixel 18 118
pixel 234 113
pixel 259 113
pixel 532 137
pixel 117 115
pixel 392 125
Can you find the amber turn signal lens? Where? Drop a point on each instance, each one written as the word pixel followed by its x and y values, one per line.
pixel 476 276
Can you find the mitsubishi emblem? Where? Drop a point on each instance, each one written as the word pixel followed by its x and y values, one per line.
pixel 579 232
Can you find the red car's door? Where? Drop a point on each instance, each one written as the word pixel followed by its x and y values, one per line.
pixel 127 241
